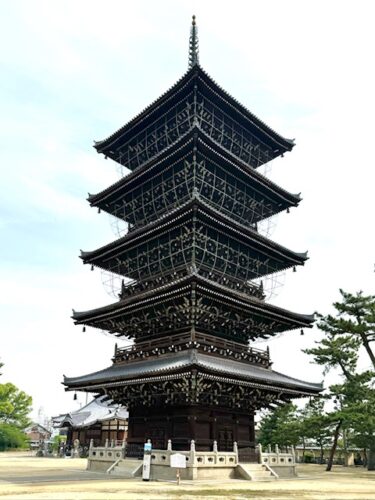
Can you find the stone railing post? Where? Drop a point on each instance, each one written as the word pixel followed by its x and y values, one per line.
pixel 277 453
pixel 214 449
pixel 112 443
pixel 260 453
pixel 91 444
pixel 269 449
pixel 106 443
pixel 293 454
pixel 235 450
pixel 192 452
pixel 169 445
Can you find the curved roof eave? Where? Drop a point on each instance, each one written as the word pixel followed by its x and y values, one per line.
pixel 175 148
pixel 176 363
pixel 180 211
pixel 300 320
pixel 181 83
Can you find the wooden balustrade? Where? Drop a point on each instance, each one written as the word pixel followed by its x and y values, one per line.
pixel 203 342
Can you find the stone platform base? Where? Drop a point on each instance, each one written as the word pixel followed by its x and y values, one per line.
pixel 162 472
pixel 200 465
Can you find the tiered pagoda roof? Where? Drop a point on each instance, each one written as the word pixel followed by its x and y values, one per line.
pixel 194 234
pixel 152 189
pixel 195 98
pixel 193 258
pixel 193 303
pixel 174 364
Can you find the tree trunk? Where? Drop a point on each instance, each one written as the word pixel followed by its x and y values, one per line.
pixel 364 457
pixel 321 453
pixel 366 345
pixel 334 446
pixel 371 458
pixel 345 446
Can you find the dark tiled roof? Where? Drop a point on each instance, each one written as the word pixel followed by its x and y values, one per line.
pixel 180 284
pixel 182 361
pixel 194 74
pixel 229 225
pixel 176 149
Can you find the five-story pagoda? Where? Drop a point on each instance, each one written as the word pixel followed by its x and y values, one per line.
pixel 191 262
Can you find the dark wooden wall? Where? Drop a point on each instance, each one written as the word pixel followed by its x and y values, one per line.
pixel 181 425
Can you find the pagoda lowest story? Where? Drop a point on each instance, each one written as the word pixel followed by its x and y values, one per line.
pixel 192 298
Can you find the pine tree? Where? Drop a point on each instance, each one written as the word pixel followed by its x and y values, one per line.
pixel 353 327
pixel 355 321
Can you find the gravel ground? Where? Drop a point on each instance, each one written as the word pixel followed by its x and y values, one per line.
pixel 31 478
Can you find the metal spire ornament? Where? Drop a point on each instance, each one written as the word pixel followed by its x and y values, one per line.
pixel 193 45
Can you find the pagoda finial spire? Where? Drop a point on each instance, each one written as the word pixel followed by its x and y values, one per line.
pixel 193 45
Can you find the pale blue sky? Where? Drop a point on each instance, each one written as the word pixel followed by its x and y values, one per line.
pixel 75 71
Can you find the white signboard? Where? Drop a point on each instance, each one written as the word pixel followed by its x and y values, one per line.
pixel 178 460
pixel 146 467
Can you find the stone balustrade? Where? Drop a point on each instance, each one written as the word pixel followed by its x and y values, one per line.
pixel 197 458
pixel 110 452
pixel 277 458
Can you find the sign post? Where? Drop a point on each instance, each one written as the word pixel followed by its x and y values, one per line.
pixel 178 461
pixel 146 461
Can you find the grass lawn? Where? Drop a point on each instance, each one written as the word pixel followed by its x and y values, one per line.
pixel 27 477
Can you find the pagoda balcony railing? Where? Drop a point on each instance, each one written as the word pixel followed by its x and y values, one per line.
pixel 203 342
pixel 133 287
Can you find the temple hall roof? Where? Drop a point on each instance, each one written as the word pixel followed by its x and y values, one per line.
pixel 98 410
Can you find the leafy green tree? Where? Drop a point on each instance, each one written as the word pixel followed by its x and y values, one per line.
pixel 360 413
pixel 280 427
pixel 315 425
pixel 15 406
pixel 12 437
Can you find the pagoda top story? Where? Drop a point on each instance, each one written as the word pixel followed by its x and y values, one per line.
pixel 195 100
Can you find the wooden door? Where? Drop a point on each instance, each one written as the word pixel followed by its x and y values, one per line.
pixel 225 439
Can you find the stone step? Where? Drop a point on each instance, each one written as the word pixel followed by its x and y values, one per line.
pixel 127 469
pixel 261 473
pixel 264 479
pixel 254 467
pixel 128 463
pixel 255 472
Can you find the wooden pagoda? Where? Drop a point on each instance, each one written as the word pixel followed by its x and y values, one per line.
pixel 191 262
